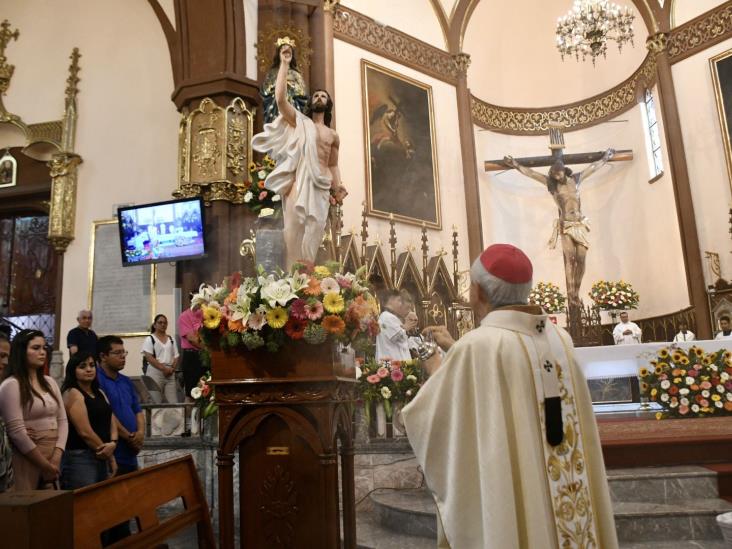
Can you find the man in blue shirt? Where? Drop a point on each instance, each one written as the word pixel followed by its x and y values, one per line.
pixel 124 401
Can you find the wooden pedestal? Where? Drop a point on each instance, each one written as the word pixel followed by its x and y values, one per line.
pixel 286 414
pixel 37 519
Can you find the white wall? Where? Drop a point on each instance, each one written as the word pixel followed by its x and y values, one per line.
pixel 414 17
pixel 634 233
pixel 352 161
pixel 710 182
pixel 685 10
pixel 515 61
pixel 127 127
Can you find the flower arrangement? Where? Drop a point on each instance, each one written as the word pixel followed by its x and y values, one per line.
pixel 312 303
pixel 693 384
pixel 205 396
pixel 389 381
pixel 547 296
pixel 257 197
pixel 610 295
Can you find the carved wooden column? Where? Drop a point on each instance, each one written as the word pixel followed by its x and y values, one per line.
pixel 682 188
pixel 467 153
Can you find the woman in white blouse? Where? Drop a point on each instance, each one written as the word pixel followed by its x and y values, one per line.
pixel 161 353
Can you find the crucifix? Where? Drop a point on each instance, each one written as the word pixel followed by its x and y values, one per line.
pixel 571 226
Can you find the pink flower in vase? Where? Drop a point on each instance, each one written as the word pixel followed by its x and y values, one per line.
pixel 683 410
pixel 397 375
pixel 373 379
pixel 382 372
pixel 297 309
pixel 262 195
pixel 314 310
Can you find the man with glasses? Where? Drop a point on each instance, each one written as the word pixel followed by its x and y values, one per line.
pixel 82 338
pixel 126 407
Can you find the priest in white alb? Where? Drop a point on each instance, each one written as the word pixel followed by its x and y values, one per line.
pixel 504 428
pixel 626 332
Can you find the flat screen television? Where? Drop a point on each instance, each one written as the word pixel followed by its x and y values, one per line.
pixel 162 232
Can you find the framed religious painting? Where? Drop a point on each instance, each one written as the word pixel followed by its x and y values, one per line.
pixel 8 170
pixel 721 66
pixel 401 156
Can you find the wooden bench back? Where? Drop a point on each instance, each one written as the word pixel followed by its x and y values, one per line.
pixel 137 496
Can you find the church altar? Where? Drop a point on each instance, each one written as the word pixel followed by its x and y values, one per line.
pixel 613 361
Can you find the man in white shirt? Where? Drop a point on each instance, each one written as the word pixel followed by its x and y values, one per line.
pixel 684 333
pixel 393 341
pixel 626 332
pixel 724 324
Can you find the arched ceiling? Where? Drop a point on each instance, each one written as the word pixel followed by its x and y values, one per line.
pixel 515 61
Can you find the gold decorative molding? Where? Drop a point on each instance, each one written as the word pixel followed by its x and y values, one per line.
pixel 6 69
pixel 214 151
pixel 656 43
pixel 462 62
pixel 359 30
pixel 331 5
pixel 574 116
pixel 62 211
pixel 700 33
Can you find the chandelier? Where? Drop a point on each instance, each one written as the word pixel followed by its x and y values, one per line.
pixel 587 27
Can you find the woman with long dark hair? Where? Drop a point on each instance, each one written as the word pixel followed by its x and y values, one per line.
pixel 34 415
pixel 89 456
pixel 161 354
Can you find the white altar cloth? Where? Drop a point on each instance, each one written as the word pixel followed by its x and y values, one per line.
pixel 626 360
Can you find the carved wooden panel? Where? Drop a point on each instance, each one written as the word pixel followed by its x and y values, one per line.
pixel 32 268
pixel 279 489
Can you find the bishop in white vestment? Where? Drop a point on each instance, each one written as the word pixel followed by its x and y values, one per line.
pixel 504 429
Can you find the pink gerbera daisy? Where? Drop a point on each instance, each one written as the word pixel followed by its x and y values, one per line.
pixel 314 310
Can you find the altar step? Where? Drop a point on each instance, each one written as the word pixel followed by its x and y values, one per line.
pixel 660 507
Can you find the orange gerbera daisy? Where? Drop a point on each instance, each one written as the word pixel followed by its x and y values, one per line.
pixel 236 325
pixel 313 287
pixel 333 324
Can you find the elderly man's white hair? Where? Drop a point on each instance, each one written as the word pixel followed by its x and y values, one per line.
pixel 499 292
pixel 81 313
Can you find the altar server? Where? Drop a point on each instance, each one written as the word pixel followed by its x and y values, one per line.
pixel 725 332
pixel 626 332
pixel 504 429
pixel 684 333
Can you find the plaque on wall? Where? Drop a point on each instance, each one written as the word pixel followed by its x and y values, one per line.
pixel 122 299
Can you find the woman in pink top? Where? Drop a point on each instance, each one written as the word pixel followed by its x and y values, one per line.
pixel 34 414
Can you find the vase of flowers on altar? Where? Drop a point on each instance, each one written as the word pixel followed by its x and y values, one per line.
pixel 203 416
pixel 386 386
pixel 312 305
pixel 614 296
pixel 548 296
pixel 689 384
pixel 257 197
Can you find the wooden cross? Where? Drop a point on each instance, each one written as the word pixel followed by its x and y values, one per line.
pixel 556 144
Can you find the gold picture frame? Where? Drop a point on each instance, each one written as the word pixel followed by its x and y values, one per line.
pixel 124 273
pixel 402 175
pixel 723 97
pixel 8 170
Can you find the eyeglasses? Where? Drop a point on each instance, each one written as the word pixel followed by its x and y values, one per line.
pixel 119 353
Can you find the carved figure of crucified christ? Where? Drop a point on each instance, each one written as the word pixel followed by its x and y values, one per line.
pixel 571 226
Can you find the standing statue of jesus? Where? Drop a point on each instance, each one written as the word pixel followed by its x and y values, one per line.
pixel 571 226
pixel 306 175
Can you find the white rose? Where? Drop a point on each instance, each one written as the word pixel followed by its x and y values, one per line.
pixel 664 397
pixel 690 380
pixel 684 401
pixel 728 396
pixel 720 388
pixel 674 404
pixel 261 174
pixel 386 393
pixel 695 408
pixel 684 391
pixel 196 392
pixel 266 212
pixel 718 404
pixel 248 197
pixel 724 376
pixel 276 198
pixel 665 384
pixel 705 393
pixel 359 373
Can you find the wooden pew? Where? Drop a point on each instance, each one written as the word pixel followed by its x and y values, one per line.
pixel 137 496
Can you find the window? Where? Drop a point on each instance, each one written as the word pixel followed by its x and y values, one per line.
pixel 653 136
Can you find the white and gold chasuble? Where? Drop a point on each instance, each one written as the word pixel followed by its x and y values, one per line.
pixel 478 430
